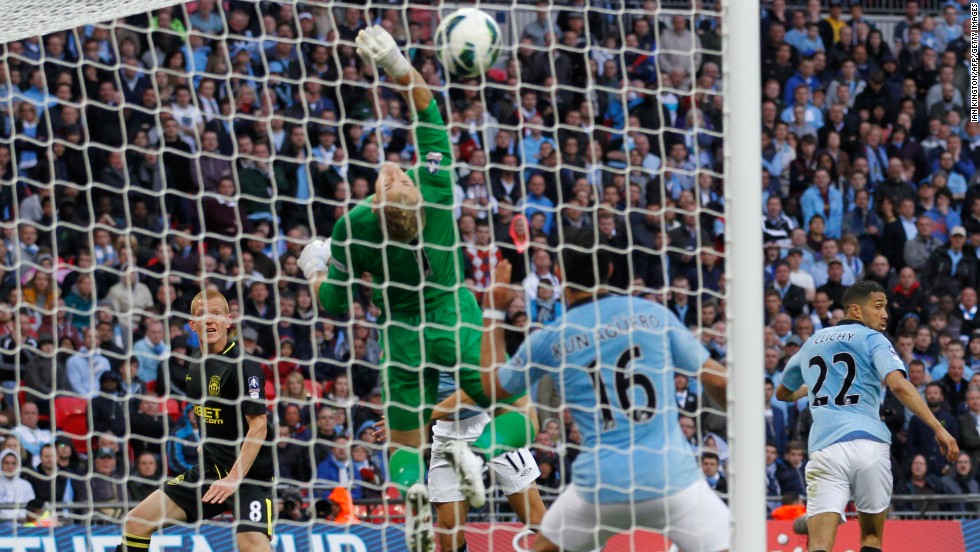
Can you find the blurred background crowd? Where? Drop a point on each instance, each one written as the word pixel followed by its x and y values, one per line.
pixel 201 146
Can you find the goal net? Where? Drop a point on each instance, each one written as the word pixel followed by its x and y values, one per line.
pixel 147 156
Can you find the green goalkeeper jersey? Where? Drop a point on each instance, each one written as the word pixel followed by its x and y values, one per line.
pixel 408 279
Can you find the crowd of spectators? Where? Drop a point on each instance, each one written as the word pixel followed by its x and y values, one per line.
pixel 202 145
pixel 869 172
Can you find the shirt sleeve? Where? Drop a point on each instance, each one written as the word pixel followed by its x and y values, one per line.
pixel 525 367
pixel 253 403
pixel 434 175
pixel 884 357
pixel 688 354
pixel 792 373
pixel 333 293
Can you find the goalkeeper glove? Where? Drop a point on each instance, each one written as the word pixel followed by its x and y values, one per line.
pixel 374 44
pixel 314 258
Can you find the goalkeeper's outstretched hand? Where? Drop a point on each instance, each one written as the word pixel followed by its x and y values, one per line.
pixel 376 45
pixel 314 258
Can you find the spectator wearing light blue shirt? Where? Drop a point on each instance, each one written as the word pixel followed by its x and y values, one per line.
pixel 150 351
pixel 532 141
pixel 205 19
pixel 536 202
pixel 830 250
pixel 86 366
pixel 801 95
pixel 821 199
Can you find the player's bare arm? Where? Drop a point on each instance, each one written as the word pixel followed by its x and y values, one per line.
pixel 715 382
pixel 226 486
pixel 493 350
pixel 786 395
pixel 910 397
pixel 450 405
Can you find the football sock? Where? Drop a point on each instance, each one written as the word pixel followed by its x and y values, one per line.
pixel 505 433
pixel 406 468
pixel 132 543
pixel 870 549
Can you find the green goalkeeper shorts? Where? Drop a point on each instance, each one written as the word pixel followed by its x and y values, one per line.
pixel 416 349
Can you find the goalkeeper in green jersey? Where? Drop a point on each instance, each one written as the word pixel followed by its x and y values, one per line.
pixel 405 236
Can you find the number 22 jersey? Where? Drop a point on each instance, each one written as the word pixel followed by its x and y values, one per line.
pixel 843 367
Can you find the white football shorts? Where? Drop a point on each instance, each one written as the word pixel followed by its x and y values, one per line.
pixel 695 519
pixel 513 472
pixel 858 470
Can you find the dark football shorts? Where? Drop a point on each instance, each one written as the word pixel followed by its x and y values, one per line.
pixel 252 505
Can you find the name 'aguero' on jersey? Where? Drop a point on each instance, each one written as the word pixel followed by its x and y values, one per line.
pixel 613 361
pixel 843 367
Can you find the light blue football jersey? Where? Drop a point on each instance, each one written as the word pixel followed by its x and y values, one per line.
pixel 843 367
pixel 613 361
pixel 447 386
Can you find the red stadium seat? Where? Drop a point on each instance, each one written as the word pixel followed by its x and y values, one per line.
pixel 172 408
pixel 71 417
pixel 67 406
pixel 151 386
pixel 394 513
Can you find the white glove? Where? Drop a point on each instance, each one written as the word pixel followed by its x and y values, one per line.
pixel 314 258
pixel 376 45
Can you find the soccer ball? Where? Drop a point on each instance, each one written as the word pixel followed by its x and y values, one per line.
pixel 468 42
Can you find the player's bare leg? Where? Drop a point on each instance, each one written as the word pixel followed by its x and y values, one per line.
pixel 822 529
pixel 872 529
pixel 253 541
pixel 541 544
pixel 450 517
pixel 528 507
pixel 154 513
pixel 406 470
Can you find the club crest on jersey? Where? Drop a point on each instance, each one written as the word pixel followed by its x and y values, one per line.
pixel 253 387
pixel 432 162
pixel 214 386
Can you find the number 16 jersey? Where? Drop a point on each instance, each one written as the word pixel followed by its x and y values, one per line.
pixel 613 360
pixel 843 367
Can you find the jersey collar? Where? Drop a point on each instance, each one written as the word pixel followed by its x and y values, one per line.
pixel 588 299
pixel 231 345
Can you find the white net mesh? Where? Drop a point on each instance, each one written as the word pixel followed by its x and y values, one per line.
pixel 201 146
pixel 40 17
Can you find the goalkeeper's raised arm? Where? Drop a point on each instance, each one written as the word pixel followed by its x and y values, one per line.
pixel 399 195
pixel 377 47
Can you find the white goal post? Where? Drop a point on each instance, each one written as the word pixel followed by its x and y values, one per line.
pixel 743 194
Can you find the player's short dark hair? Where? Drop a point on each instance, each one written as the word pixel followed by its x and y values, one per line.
pixel 860 293
pixel 585 260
